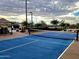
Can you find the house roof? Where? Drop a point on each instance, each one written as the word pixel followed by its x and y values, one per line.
pixel 2 20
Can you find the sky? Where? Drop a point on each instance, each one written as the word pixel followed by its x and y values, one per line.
pixel 46 10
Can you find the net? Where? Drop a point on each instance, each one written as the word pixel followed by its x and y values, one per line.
pixel 53 34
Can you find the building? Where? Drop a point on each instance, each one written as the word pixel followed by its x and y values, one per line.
pixel 4 25
pixel 4 22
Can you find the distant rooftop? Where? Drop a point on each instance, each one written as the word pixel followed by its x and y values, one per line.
pixel 2 20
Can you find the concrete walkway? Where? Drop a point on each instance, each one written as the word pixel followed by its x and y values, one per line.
pixel 14 35
pixel 72 52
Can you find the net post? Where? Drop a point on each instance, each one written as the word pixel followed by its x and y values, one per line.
pixel 77 35
pixel 29 31
pixel 11 29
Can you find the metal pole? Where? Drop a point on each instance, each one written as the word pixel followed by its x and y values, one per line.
pixel 11 29
pixel 77 35
pixel 26 11
pixel 31 19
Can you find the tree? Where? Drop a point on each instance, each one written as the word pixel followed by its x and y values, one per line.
pixel 77 25
pixel 38 25
pixel 24 23
pixel 55 23
pixel 72 26
pixel 64 25
pixel 44 25
pixel 41 25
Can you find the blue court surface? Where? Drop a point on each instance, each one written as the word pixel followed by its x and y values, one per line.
pixel 36 47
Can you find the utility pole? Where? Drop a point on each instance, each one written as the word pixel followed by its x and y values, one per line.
pixel 26 11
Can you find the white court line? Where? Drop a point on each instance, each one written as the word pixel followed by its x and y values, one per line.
pixel 18 46
pixel 65 50
pixel 3 56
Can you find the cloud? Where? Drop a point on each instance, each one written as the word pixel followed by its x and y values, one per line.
pixel 43 8
pixel 56 7
pixel 71 20
pixel 11 7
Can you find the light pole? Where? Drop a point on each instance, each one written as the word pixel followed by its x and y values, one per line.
pixel 31 19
